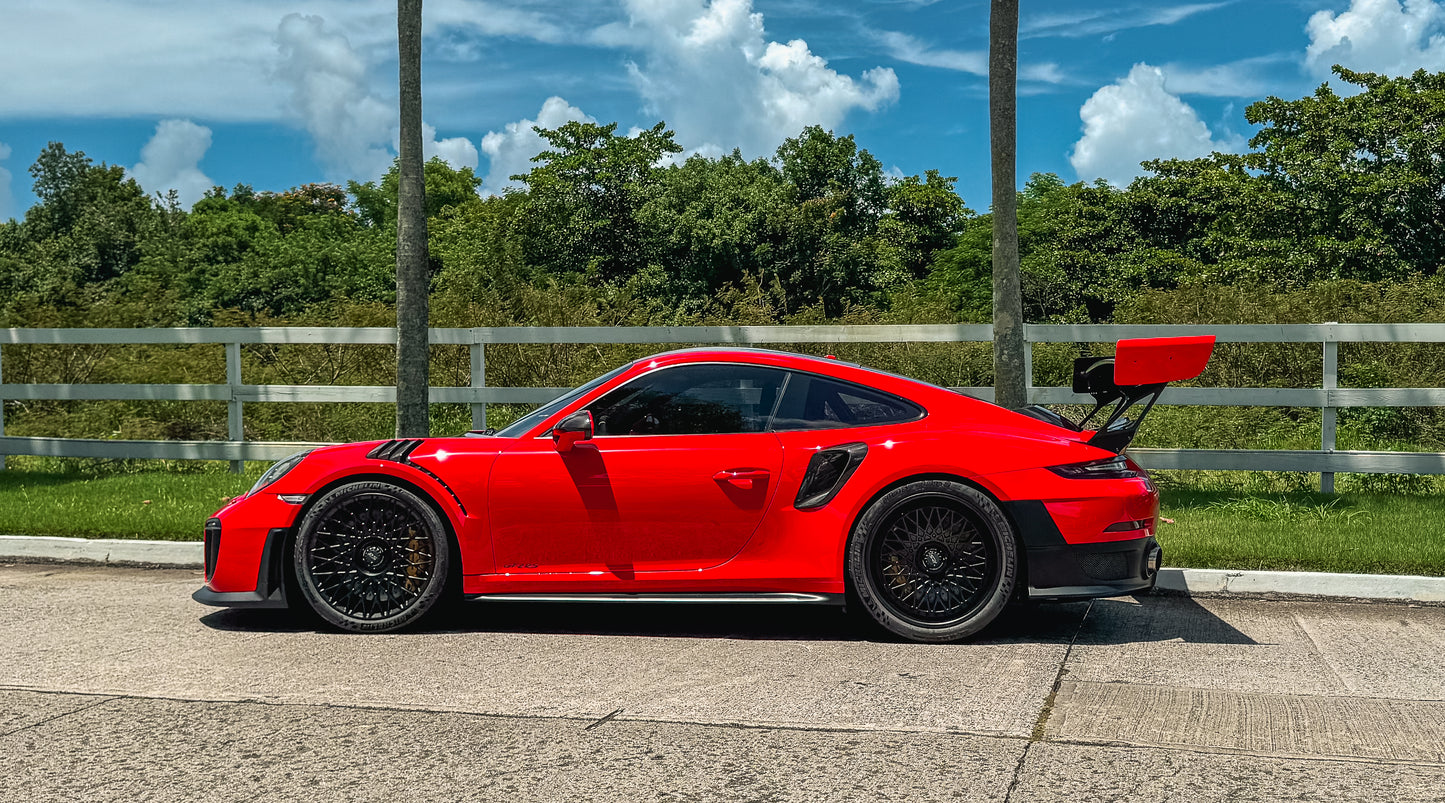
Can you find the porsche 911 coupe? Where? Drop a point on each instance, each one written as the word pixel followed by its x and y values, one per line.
pixel 723 475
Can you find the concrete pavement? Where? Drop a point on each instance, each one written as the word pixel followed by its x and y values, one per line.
pixel 115 685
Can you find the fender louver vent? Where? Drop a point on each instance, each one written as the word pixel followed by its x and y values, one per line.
pixel 399 451
pixel 396 451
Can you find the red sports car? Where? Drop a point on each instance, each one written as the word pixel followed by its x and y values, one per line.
pixel 722 474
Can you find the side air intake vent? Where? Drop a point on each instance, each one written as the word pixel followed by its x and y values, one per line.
pixel 827 471
pixel 395 451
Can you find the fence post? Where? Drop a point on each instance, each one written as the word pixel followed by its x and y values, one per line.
pixel 235 428
pixel 1028 369
pixel 1327 413
pixel 479 380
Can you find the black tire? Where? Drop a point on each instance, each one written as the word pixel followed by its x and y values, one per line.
pixel 371 557
pixel 933 560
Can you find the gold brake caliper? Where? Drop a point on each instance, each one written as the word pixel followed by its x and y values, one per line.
pixel 414 561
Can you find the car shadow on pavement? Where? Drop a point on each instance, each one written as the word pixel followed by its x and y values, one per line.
pixel 1023 623
pixel 1147 618
pixel 1157 617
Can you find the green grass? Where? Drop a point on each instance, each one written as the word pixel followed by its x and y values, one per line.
pixel 1367 533
pixel 162 505
pixel 1213 527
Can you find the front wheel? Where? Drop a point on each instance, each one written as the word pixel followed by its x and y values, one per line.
pixel 371 557
pixel 933 560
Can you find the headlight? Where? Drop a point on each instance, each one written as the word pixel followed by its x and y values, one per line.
pixel 278 470
pixel 1110 468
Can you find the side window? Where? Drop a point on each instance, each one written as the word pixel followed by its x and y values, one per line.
pixel 816 402
pixel 691 400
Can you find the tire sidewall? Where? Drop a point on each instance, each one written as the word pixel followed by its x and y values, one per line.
pixel 996 528
pixel 435 532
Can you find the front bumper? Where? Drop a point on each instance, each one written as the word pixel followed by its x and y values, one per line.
pixel 270 588
pixel 245 552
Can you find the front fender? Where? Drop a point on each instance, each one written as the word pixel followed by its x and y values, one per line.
pixel 328 468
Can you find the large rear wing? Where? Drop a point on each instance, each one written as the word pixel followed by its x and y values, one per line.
pixel 1136 374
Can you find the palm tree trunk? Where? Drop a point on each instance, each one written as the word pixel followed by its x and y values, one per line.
pixel 1008 319
pixel 412 280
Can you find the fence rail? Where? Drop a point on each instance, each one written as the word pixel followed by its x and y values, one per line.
pixel 1329 397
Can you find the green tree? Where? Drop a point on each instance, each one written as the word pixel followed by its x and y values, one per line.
pixel 584 195
pixel 89 223
pixel 925 216
pixel 1368 167
pixel 446 186
pixel 714 223
pixel 830 255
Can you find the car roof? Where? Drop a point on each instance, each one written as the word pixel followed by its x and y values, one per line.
pixel 752 351
pixel 830 366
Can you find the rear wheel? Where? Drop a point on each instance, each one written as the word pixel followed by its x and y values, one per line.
pixel 371 557
pixel 933 560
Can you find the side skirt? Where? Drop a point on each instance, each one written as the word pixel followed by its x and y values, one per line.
pixel 703 598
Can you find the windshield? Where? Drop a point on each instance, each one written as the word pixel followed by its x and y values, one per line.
pixel 518 428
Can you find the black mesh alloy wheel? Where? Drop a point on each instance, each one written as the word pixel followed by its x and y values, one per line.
pixel 933 560
pixel 371 557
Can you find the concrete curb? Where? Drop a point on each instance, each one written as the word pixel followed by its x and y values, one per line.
pixel 110 551
pixel 188 555
pixel 1407 588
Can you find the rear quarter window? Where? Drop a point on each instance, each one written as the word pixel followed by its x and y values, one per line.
pixel 811 401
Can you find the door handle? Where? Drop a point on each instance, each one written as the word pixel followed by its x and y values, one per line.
pixel 741 477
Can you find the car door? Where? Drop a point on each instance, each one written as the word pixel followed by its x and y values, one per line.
pixel 677 477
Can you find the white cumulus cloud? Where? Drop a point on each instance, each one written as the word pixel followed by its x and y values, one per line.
pixel 510 151
pixel 709 70
pixel 1136 118
pixel 7 196
pixel 172 161
pixel 1378 36
pixel 458 152
pixel 330 96
pixel 355 130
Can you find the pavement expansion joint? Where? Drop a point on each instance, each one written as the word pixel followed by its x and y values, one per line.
pixel 60 715
pixel 1041 724
pixel 605 719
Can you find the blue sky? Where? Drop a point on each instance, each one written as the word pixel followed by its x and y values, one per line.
pixel 276 93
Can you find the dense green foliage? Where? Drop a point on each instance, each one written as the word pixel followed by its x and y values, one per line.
pixel 1334 187
pixel 1333 214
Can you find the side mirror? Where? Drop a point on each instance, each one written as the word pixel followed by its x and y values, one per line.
pixel 573 428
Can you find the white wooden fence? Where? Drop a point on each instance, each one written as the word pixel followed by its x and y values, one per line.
pixel 1328 397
